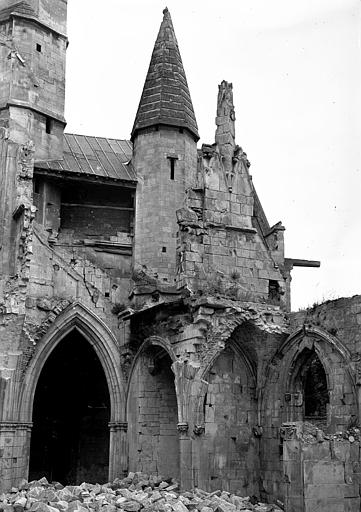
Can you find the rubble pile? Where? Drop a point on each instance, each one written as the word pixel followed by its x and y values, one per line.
pixel 310 433
pixel 135 493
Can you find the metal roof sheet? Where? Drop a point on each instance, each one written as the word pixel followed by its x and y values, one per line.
pixel 94 156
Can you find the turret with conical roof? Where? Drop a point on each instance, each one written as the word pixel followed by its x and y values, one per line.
pixel 166 99
pixel 164 135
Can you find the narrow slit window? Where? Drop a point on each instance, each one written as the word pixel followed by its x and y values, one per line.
pixel 38 47
pixel 48 125
pixel 172 161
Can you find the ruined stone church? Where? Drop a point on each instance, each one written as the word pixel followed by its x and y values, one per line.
pixel 145 298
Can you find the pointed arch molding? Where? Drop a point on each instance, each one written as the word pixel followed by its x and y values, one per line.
pixel 279 369
pixel 316 332
pixel 103 341
pixel 240 352
pixel 201 384
pixel 293 346
pixel 152 341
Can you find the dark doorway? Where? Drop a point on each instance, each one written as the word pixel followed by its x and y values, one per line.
pixel 70 437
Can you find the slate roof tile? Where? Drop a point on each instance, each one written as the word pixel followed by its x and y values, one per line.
pixel 166 76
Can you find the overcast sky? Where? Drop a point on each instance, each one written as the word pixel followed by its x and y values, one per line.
pixel 295 67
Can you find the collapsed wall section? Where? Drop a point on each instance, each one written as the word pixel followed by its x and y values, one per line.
pixel 320 473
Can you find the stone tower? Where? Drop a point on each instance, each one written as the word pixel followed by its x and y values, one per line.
pixel 164 135
pixel 32 92
pixel 32 62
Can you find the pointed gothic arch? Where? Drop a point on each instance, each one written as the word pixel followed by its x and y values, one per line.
pixel 155 341
pixel 93 330
pixel 201 383
pixel 153 410
pixel 225 415
pixel 304 345
pixel 104 343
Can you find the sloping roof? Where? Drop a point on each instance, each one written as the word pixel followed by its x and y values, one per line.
pixel 93 156
pixel 166 98
pixel 22 7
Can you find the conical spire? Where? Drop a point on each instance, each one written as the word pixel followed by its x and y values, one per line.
pixel 166 99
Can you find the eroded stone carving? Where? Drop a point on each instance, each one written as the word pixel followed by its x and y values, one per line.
pixel 126 360
pixel 288 431
pixel 182 427
pixel 199 430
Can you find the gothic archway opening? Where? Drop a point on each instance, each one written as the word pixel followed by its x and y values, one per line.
pixel 71 411
pixel 153 415
pixel 310 396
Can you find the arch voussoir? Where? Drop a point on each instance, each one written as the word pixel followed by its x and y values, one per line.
pixel 76 316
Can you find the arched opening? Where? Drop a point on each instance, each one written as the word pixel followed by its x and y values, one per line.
pixel 229 451
pixel 153 415
pixel 71 411
pixel 309 397
pixel 315 390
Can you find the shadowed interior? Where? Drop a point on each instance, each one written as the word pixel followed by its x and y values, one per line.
pixel 70 438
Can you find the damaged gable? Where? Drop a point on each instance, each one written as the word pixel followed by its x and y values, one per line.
pixel 222 248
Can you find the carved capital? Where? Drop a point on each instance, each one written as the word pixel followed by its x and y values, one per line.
pixel 288 431
pixel 199 430
pixel 182 427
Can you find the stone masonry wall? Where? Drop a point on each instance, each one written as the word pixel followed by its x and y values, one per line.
pixel 341 318
pixel 321 475
pixel 159 196
pixel 229 457
pixel 153 418
pixel 32 61
pixel 331 331
pixel 222 248
pixel 44 54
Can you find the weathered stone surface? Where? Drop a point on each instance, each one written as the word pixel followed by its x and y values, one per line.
pixel 196 325
pixel 122 495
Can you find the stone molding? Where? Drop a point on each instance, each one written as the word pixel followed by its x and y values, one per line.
pixel 100 337
pixel 6 426
pixel 118 426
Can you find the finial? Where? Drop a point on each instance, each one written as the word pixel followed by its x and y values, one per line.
pixel 166 12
